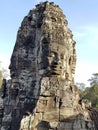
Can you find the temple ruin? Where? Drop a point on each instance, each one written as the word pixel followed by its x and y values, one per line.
pixel 41 94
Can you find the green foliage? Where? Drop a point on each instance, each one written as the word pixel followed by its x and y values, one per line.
pixel 91 93
pixel 81 88
pixel 94 79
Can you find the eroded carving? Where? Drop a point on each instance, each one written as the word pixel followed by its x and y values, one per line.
pixel 41 94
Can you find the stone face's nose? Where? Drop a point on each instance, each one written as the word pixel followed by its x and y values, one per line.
pixel 55 60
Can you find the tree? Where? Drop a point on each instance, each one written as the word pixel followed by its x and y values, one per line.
pixel 3 73
pixel 81 86
pixel 94 79
pixel 91 93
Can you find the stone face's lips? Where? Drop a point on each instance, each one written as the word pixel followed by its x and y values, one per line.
pixel 42 94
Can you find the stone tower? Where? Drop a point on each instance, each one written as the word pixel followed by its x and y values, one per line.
pixel 41 94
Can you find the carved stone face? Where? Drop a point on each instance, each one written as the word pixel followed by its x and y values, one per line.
pixel 54 62
pixel 62 62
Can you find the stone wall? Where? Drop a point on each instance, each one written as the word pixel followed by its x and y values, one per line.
pixel 41 94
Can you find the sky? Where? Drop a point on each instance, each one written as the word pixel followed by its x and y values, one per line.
pixel 82 16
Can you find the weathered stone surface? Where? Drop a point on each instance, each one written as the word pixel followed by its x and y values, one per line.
pixel 41 94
